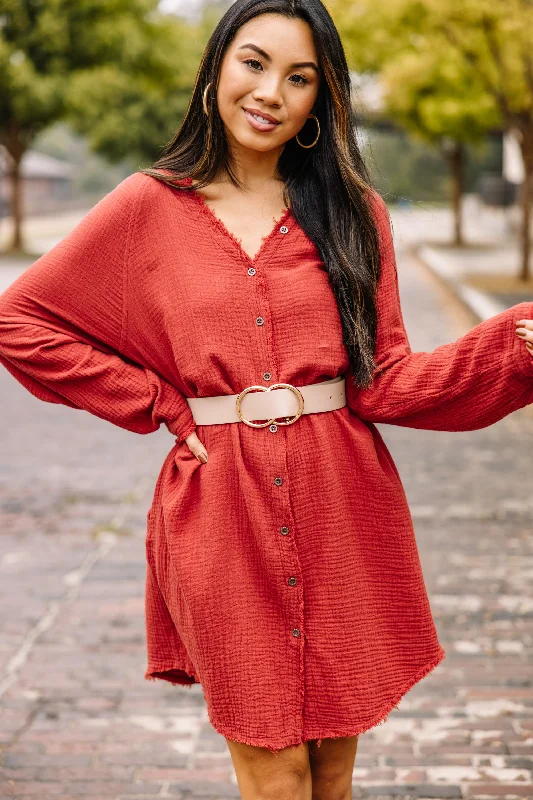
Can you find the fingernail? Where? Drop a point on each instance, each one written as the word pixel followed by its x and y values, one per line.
pixel 520 333
pixel 520 322
pixel 202 457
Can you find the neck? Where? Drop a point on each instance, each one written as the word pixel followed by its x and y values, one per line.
pixel 254 169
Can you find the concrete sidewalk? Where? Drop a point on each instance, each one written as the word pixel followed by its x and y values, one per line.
pixel 41 232
pixel 482 273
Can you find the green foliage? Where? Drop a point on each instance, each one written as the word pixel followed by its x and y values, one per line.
pixel 428 86
pixel 493 39
pixel 118 70
pixel 404 168
pixel 449 67
pixel 136 112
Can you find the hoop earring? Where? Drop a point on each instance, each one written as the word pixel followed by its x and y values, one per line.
pixel 204 99
pixel 317 135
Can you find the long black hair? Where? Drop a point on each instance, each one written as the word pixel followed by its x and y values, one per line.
pixel 328 185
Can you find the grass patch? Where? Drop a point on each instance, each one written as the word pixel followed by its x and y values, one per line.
pixel 501 284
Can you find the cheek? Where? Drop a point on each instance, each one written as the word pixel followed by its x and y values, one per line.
pixel 299 108
pixel 234 84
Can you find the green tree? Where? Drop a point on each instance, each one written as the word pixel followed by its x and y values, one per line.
pixel 429 95
pixel 131 112
pixel 117 69
pixel 451 69
pixel 494 40
pixel 425 90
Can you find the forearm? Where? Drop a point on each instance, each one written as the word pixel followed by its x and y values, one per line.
pixel 464 385
pixel 58 369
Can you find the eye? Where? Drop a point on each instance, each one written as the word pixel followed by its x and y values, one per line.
pixel 251 61
pixel 302 82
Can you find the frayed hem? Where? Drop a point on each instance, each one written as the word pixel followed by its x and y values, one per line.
pixel 177 676
pixel 379 719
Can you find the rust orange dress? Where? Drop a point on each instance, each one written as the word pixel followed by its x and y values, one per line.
pixel 283 575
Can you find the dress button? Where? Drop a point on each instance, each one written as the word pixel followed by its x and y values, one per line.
pixel 278 481
pixel 260 321
pixel 284 530
pixel 251 271
pixel 267 376
pixel 273 428
pixel 295 631
pixel 283 229
pixel 292 581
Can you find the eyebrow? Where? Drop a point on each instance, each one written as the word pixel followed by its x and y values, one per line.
pixel 265 55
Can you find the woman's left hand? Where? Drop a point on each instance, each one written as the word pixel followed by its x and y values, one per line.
pixel 524 329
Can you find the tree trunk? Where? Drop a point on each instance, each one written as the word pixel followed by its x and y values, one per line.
pixel 17 243
pixel 527 189
pixel 456 160
pixel 16 145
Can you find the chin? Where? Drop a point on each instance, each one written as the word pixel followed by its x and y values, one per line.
pixel 252 142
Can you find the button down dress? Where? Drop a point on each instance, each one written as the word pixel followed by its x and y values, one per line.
pixel 282 575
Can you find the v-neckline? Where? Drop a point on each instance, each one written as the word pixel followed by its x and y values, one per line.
pixel 217 223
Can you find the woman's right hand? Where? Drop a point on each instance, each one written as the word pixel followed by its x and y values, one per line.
pixel 196 447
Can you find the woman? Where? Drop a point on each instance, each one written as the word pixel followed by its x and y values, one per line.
pixel 282 569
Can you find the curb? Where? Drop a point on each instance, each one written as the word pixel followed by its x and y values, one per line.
pixel 479 303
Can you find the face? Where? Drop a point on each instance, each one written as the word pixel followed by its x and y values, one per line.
pixel 270 69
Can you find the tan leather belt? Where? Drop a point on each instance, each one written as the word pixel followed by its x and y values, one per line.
pixel 269 403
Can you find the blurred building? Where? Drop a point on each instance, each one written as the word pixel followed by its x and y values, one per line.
pixel 47 183
pixel 513 163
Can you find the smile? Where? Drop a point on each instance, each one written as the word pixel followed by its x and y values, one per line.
pixel 261 119
pixel 259 123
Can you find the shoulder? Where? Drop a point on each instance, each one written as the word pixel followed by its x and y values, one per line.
pixel 136 187
pixel 118 203
pixel 381 217
pixel 139 186
pixel 139 200
pixel 378 207
pixel 155 193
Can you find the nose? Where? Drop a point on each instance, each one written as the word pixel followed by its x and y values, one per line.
pixel 268 91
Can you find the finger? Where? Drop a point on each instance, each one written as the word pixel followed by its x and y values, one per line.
pixel 525 333
pixel 196 447
pixel 524 323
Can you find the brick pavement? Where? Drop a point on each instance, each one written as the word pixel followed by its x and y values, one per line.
pixel 78 719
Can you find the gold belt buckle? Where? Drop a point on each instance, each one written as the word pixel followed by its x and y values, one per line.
pixel 288 420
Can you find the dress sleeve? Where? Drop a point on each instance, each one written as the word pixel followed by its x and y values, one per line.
pixel 61 326
pixel 464 385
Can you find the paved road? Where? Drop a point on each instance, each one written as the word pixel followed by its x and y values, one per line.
pixel 78 719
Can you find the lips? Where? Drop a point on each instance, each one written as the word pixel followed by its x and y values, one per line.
pixel 262 114
pixel 259 125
